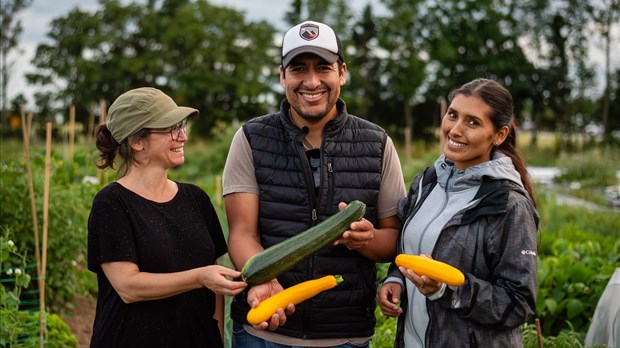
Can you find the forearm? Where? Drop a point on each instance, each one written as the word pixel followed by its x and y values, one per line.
pixel 382 248
pixel 241 248
pixel 134 286
pixel 243 237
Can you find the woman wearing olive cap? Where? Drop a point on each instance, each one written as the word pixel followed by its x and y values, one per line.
pixel 154 242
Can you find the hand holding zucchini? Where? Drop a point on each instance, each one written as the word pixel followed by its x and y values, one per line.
pixel 295 295
pixel 283 256
pixel 436 270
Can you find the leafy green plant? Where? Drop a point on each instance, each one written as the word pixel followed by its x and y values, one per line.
pixel 14 278
pixel 575 264
pixel 69 204
pixel 566 338
pixel 19 327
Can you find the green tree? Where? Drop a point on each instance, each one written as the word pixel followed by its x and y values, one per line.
pixel 204 56
pixel 363 92
pixel 9 38
pixel 560 47
pixel 405 69
pixel 605 14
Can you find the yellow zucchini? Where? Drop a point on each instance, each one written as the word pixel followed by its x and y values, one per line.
pixel 436 270
pixel 295 295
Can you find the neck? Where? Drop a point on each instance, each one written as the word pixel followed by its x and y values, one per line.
pixel 150 183
pixel 315 129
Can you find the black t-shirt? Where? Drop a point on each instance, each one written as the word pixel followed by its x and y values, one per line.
pixel 174 236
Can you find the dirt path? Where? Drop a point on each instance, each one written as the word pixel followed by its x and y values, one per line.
pixel 81 321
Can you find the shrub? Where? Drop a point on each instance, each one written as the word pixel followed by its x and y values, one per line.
pixel 69 205
pixel 19 327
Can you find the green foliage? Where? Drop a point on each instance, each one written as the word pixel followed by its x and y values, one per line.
pixel 559 219
pixel 578 253
pixel 592 169
pixel 385 329
pixel 566 338
pixel 206 158
pixel 57 332
pixel 19 327
pixel 13 278
pixel 69 204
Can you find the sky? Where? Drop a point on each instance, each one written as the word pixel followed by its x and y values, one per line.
pixel 36 19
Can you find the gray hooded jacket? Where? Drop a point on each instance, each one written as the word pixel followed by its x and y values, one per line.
pixel 493 241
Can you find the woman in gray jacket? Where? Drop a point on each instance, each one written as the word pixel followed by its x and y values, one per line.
pixel 473 209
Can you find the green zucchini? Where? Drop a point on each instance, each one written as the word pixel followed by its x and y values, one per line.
pixel 283 256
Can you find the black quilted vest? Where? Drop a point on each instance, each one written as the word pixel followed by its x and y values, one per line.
pixel 351 163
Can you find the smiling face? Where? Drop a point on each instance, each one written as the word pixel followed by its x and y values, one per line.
pixel 312 87
pixel 468 131
pixel 160 148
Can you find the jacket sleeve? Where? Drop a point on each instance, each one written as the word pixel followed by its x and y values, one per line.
pixel 506 298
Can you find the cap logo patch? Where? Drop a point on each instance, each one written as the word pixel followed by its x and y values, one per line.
pixel 309 31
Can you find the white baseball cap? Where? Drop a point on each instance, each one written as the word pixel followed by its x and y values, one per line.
pixel 311 37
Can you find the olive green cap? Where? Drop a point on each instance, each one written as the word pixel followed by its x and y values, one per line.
pixel 144 107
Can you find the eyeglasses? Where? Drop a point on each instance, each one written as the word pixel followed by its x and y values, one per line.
pixel 175 131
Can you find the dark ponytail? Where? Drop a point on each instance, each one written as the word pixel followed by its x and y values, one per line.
pixel 109 149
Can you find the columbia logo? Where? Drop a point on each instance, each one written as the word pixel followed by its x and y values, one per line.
pixel 528 252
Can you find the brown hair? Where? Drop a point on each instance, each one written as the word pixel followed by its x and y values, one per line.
pixel 500 101
pixel 109 149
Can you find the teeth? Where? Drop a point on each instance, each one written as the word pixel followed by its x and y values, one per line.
pixel 312 95
pixel 178 149
pixel 454 143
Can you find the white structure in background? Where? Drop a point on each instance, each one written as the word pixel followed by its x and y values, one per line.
pixel 543 175
pixel 605 324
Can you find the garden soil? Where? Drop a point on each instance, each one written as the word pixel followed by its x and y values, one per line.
pixel 81 320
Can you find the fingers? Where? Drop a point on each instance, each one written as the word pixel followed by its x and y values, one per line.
pixel 277 319
pixel 424 284
pixel 388 298
pixel 359 235
pixel 229 272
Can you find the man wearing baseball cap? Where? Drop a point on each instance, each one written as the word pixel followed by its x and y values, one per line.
pixel 292 169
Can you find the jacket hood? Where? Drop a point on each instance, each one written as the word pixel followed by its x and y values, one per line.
pixel 500 167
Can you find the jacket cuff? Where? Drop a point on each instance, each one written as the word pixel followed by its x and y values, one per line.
pixel 437 294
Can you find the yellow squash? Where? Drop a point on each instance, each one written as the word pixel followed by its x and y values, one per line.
pixel 437 270
pixel 295 294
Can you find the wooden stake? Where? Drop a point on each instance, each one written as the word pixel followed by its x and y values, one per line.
pixel 46 194
pixel 102 119
pixel 71 132
pixel 218 190
pixel 91 122
pixel 408 143
pixel 102 114
pixel 35 224
pixel 539 333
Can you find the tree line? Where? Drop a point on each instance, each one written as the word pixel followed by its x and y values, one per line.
pixel 403 60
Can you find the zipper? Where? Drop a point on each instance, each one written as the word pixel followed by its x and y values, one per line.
pixel 307 171
pixel 330 181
